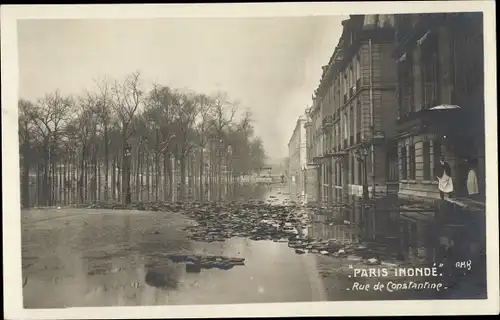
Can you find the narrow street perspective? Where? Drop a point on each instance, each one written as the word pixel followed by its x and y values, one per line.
pixel 217 173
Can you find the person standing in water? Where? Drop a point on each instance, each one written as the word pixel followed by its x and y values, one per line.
pixel 445 182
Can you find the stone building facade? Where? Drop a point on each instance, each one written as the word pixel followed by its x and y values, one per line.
pixel 357 100
pixel 312 151
pixel 440 62
pixel 297 164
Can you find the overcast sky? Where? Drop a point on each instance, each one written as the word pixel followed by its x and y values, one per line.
pixel 271 65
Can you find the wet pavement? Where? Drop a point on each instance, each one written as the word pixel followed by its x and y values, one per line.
pixel 97 257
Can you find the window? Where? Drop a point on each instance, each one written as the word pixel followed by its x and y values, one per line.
pixel 430 81
pixel 426 153
pixel 358 68
pixel 346 126
pixel 360 172
pixel 352 170
pixel 404 164
pixel 405 77
pixel 436 153
pixel 352 122
pixel 411 154
pixel 358 120
pixel 351 80
pixel 403 26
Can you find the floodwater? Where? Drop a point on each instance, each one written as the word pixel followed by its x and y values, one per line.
pixel 90 257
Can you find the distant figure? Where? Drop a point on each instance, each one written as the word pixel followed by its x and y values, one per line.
pixel 472 184
pixel 445 181
pixel 282 178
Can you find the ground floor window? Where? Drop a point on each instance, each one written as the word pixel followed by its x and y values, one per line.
pixel 404 163
pixel 426 154
pixel 352 170
pixel 436 152
pixel 411 158
pixel 360 172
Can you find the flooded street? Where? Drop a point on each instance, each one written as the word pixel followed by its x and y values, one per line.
pixel 100 257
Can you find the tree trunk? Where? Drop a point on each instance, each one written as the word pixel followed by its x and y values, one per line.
pixel 39 184
pixel 25 181
pixel 82 176
pixel 60 173
pixel 157 174
pixel 126 196
pixel 170 177
pixel 113 179
pixel 86 179
pixel 106 163
pixel 46 185
pixel 99 181
pixel 183 178
pixel 165 170
pixel 65 180
pixel 74 174
pixel 138 183
pixel 201 174
pixel 94 180
pixel 53 180
pixel 148 176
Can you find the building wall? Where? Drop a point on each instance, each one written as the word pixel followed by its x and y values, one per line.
pixel 451 74
pixel 297 158
pixel 342 116
pixel 383 99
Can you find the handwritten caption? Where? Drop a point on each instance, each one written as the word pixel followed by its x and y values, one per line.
pixel 424 278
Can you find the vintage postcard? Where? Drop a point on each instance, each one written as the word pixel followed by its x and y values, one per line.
pixel 249 160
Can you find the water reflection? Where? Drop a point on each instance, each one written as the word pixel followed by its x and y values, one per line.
pixel 112 257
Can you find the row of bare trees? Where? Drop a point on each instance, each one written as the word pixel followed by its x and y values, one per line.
pixel 120 142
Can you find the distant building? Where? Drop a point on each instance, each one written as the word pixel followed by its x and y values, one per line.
pixel 440 62
pixel 297 158
pixel 312 175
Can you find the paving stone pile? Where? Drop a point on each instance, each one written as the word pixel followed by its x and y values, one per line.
pixel 195 263
pixel 257 220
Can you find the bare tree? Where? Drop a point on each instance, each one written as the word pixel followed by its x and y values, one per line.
pixel 26 137
pixel 204 124
pixel 223 113
pixel 104 112
pixel 49 117
pixel 159 115
pixel 72 138
pixel 127 97
pixel 186 111
pixel 82 128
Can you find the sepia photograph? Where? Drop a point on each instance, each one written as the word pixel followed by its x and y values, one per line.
pixel 244 156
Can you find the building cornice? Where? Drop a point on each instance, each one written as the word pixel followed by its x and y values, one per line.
pixel 425 23
pixel 346 50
